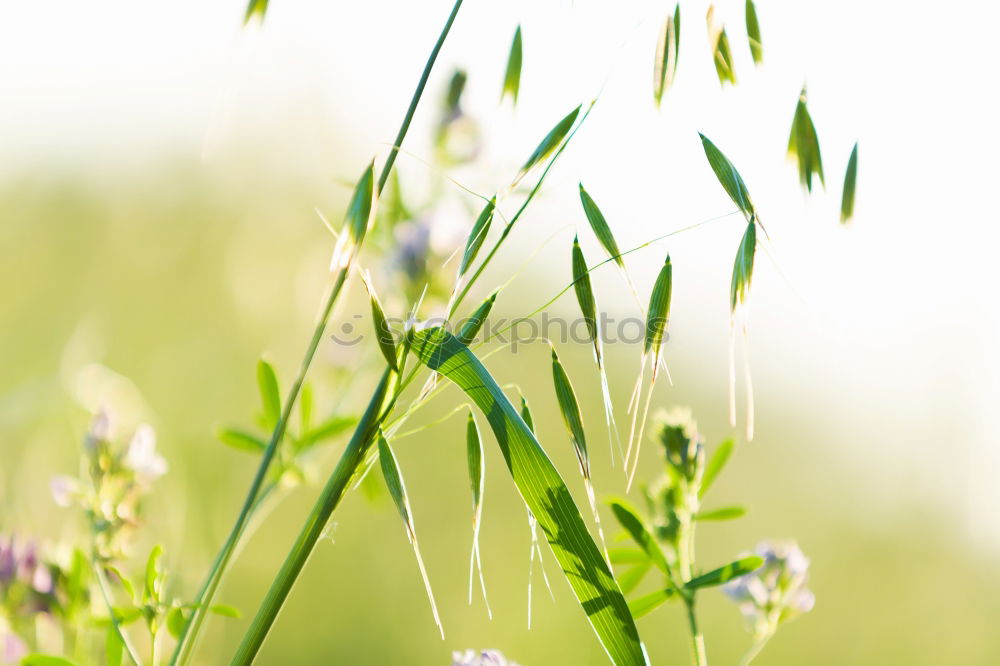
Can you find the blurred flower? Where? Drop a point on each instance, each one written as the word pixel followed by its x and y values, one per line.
pixel 64 490
pixel 484 658
pixel 776 592
pixel 12 648
pixel 142 457
pixel 100 430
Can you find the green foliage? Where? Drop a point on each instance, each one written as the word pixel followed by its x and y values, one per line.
pixel 803 144
pixel 753 33
pixel 667 49
pixel 512 76
pixel 549 144
pixel 850 182
pixel 543 491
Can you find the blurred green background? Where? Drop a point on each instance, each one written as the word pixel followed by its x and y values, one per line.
pixel 152 278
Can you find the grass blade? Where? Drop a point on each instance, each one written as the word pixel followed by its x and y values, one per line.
pixel 570 409
pixel 397 489
pixel 602 231
pixel 665 64
pixel 729 178
pixel 850 181
pixel 725 574
pixel 548 145
pixel 476 237
pixel 722 55
pixel 512 77
pixel 657 319
pixel 739 288
pixel 270 395
pixel 477 481
pixel 588 307
pixel 803 144
pixel 753 33
pixel 471 327
pixel 383 332
pixel 356 221
pixel 545 493
pixel 255 8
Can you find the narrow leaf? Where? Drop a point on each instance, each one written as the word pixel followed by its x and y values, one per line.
pixel 526 415
pixel 753 33
pixel 224 610
pixel 585 297
pixel 850 181
pixel 725 574
pixel 600 227
pixel 665 64
pixel 325 431
pixel 549 144
pixel 471 327
pixel 726 513
pixel 647 603
pixel 627 555
pixel 151 587
pixel 729 177
pixel 397 489
pixel 255 8
pixel 715 465
pixel 241 441
pixel 476 237
pixel 721 53
pixel 383 332
pixel 477 481
pixel 636 527
pixel 743 267
pixel 356 221
pixel 632 577
pixel 658 314
pixel 803 144
pixel 113 647
pixel 270 397
pixel 570 409
pixel 512 77
pixel 545 493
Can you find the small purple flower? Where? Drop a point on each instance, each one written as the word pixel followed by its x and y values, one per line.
pixel 101 428
pixel 776 592
pixel 483 658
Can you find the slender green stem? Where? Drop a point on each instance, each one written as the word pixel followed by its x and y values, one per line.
pixel 102 583
pixel 755 650
pixel 333 492
pixel 697 639
pixel 185 643
pixel 510 225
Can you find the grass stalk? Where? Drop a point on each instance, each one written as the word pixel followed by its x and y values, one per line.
pixel 185 643
pixel 319 516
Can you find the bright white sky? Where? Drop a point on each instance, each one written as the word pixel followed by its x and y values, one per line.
pixel 898 311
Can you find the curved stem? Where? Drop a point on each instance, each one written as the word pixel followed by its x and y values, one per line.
pixel 333 492
pixel 102 583
pixel 185 643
